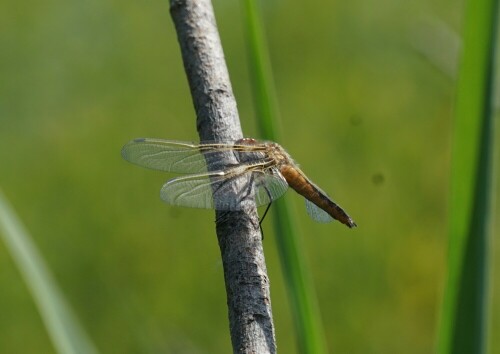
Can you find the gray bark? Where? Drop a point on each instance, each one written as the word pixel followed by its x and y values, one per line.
pixel 238 232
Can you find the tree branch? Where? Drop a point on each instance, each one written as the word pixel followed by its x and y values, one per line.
pixel 238 232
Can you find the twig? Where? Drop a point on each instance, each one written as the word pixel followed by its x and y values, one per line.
pixel 245 273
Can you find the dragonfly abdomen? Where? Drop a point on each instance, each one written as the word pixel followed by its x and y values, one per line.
pixel 308 190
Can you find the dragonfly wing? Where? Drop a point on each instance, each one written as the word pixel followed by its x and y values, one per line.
pixel 165 155
pixel 269 186
pixel 316 213
pixel 175 156
pixel 231 189
pixel 193 191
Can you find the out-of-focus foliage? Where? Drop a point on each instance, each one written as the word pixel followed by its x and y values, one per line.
pixel 366 116
pixel 58 318
pixel 465 312
pixel 309 333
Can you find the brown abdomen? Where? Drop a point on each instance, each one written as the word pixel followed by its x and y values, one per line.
pixel 308 190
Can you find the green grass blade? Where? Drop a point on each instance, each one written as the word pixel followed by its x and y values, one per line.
pixel 261 75
pixel 305 312
pixel 464 320
pixel 64 331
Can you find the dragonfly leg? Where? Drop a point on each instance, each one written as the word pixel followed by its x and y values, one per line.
pixel 265 212
pixel 262 219
pixel 249 188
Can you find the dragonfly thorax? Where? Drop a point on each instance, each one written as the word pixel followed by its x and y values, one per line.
pixel 279 156
pixel 271 152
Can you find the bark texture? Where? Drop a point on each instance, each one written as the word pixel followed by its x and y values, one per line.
pixel 238 232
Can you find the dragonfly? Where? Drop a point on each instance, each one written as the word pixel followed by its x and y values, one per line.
pixel 231 176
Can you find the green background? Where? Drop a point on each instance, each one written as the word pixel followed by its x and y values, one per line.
pixel 366 111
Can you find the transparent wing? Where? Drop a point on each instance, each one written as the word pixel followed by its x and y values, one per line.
pixel 165 155
pixel 231 189
pixel 268 186
pixel 185 157
pixel 316 213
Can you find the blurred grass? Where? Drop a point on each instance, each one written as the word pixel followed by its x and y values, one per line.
pixel 81 79
pixel 466 308
pixel 307 321
pixel 63 327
